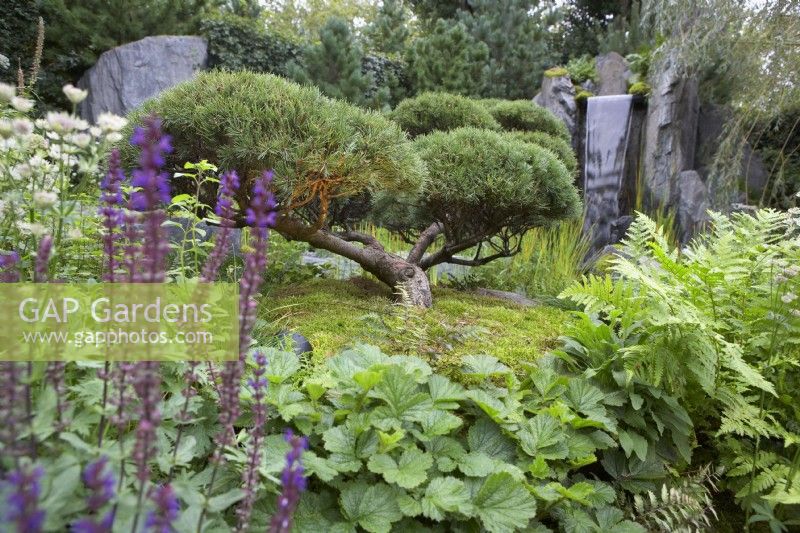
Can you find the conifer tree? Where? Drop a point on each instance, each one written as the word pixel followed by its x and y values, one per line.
pixel 389 32
pixel 448 59
pixel 334 65
pixel 516 33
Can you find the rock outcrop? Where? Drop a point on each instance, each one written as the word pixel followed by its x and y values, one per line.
pixel 127 75
pixel 558 96
pixel 612 74
pixel 710 129
pixel 671 135
pixel 691 204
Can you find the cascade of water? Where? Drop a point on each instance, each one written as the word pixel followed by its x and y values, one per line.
pixel 608 120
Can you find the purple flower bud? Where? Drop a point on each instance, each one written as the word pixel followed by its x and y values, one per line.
pixel 41 271
pixel 166 510
pixel 8 267
pixel 100 483
pixel 293 484
pixel 22 503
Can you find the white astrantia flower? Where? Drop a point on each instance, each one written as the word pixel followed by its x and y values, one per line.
pixel 23 171
pixel 45 199
pixel 7 92
pixel 61 123
pixel 22 127
pixel 114 137
pixel 95 131
pixel 110 122
pixel 31 228
pixel 73 94
pixel 81 140
pixel 23 105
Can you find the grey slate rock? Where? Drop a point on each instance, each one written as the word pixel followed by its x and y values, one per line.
pixel 691 205
pixel 612 74
pixel 671 133
pixel 558 96
pixel 125 76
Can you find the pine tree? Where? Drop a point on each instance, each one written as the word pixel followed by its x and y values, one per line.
pixel 389 32
pixel 334 65
pixel 517 35
pixel 448 59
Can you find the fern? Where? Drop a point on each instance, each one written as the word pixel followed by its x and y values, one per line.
pixel 685 506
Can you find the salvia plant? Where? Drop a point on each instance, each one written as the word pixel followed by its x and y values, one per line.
pixel 114 447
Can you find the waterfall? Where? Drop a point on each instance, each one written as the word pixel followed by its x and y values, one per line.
pixel 608 120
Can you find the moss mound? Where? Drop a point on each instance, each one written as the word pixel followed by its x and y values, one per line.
pixel 333 314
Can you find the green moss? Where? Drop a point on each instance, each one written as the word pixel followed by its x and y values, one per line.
pixel 583 94
pixel 640 88
pixel 556 72
pixel 333 314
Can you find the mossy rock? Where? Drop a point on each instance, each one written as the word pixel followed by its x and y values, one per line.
pixel 556 72
pixel 640 88
pixel 583 95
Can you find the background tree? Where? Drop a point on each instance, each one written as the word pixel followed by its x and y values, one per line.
pixel 447 59
pixel 389 32
pixel 516 33
pixel 336 165
pixel 335 64
pixel 302 20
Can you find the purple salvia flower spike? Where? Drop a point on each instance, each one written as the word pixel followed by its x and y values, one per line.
pixel 250 476
pixel 100 482
pixel 41 268
pixel 111 201
pixel 261 214
pixel 166 510
pixel 293 484
pixel 151 193
pixel 228 186
pixel 22 504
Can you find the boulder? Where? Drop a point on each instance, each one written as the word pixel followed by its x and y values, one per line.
pixel 127 75
pixel 671 131
pixel 691 205
pixel 710 129
pixel 612 74
pixel 558 96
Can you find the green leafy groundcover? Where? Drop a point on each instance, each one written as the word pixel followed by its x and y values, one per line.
pixel 394 445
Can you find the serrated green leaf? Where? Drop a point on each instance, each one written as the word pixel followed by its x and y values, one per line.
pixel 484 366
pixel 487 437
pixel 281 365
pixel 632 442
pixel 409 471
pixel 476 464
pixel 544 436
pixel 439 422
pixel 445 495
pixel 367 379
pixel 388 441
pixel 402 400
pixel 348 447
pixel 503 504
pixel 373 507
pixel 445 393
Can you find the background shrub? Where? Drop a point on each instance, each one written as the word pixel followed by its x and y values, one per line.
pixel 557 145
pixel 523 115
pixel 472 168
pixel 429 112
pixel 239 43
